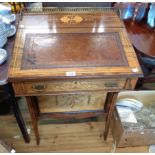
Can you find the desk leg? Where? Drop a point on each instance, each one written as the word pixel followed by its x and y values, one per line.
pixel 20 121
pixel 8 89
pixel 109 108
pixel 33 109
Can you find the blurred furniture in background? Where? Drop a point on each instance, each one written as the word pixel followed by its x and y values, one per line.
pixel 134 11
pixel 141 36
pixel 148 66
pixel 4 103
pixel 143 40
pixel 7 98
pixel 16 6
pixel 139 21
pixel 151 15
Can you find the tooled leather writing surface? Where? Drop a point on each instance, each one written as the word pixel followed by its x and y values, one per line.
pixel 42 51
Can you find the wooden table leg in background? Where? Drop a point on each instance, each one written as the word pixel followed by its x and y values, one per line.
pixel 8 89
pixel 109 108
pixel 34 112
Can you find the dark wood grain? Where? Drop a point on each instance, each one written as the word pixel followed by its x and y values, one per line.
pixel 55 20
pixel 141 36
pixel 143 39
pixel 77 115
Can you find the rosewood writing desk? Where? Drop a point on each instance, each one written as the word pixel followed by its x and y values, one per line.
pixel 72 63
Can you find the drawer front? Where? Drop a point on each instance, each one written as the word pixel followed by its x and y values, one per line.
pixel 57 86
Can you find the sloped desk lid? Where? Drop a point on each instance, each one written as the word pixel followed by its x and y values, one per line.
pixel 60 45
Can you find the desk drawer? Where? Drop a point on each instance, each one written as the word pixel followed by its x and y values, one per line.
pixel 61 86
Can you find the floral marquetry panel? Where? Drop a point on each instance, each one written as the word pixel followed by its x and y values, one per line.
pixel 71 102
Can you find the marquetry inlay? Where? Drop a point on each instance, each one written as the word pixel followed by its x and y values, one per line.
pixel 71 19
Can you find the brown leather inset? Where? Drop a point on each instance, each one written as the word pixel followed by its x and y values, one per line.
pixel 43 51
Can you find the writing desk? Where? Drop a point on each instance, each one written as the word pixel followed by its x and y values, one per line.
pixel 72 63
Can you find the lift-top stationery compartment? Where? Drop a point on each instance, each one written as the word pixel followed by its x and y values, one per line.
pixel 78 46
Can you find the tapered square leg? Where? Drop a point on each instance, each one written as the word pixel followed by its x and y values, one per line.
pixel 109 108
pixel 33 110
pixel 17 113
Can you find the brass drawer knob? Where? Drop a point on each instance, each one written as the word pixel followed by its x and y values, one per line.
pixel 39 87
